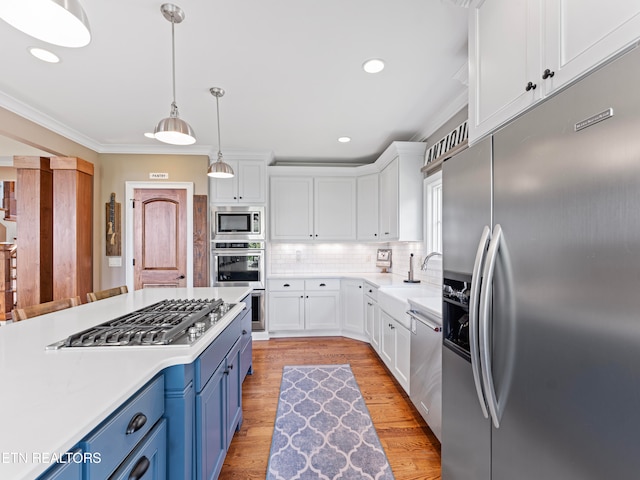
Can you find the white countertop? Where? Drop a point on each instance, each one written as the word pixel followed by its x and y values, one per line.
pixel 50 400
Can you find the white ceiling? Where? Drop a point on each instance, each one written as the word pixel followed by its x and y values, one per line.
pixel 291 70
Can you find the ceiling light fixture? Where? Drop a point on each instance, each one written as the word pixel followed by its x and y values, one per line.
pixel 173 129
pixel 59 22
pixel 44 55
pixel 344 139
pixel 219 169
pixel 373 65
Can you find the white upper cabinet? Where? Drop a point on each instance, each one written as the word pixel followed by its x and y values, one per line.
pixel 400 195
pixel 520 52
pixel 580 34
pixel 335 208
pixel 247 186
pixel 308 208
pixel 367 208
pixel 291 208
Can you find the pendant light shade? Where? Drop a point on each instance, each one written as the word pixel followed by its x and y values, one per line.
pixel 219 169
pixel 59 22
pixel 173 129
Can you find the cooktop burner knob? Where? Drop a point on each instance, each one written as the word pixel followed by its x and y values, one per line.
pixel 193 332
pixel 200 326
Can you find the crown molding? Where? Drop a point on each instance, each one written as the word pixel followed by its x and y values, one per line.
pixel 457 104
pixel 22 109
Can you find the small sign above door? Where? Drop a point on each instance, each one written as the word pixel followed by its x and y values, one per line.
pixel 158 176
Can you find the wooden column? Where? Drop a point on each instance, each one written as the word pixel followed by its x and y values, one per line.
pixel 72 227
pixel 201 244
pixel 6 284
pixel 34 229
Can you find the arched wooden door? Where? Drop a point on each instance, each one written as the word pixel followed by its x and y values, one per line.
pixel 160 238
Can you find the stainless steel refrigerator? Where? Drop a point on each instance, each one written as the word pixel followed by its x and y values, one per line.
pixel 541 307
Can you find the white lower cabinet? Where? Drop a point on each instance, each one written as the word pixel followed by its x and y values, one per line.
pixel 395 348
pixel 372 315
pixel 352 292
pixel 300 305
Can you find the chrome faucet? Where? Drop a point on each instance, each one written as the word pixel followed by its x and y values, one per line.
pixel 425 262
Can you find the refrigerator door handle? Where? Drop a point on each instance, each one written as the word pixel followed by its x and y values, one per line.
pixel 474 300
pixel 485 340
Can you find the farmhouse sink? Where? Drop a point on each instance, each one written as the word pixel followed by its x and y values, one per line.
pixel 395 300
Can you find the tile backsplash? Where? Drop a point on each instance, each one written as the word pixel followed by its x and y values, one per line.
pixel 303 258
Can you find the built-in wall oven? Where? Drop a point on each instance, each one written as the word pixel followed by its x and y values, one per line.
pixel 241 263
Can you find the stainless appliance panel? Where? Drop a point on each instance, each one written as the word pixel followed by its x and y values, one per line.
pixel 237 223
pixel 566 337
pixel 426 370
pixel 238 267
pixel 467 208
pixel 466 438
pixel 258 312
pixel 466 199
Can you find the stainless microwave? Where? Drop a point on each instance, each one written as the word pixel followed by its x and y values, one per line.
pixel 237 223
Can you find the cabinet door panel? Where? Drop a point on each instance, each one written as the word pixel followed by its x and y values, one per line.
pixel 211 444
pixel 149 460
pixel 402 370
pixel 286 311
pixel 387 340
pixel 367 207
pixel 321 310
pixel 291 208
pixel 251 181
pixel 353 306
pixel 234 391
pixel 504 51
pixel 335 208
pixel 582 33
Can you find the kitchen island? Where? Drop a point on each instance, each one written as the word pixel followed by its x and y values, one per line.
pixel 51 400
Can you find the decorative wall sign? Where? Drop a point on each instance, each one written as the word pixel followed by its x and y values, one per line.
pixel 456 137
pixel 114 237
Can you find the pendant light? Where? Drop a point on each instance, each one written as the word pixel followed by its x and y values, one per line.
pixel 59 22
pixel 219 169
pixel 173 129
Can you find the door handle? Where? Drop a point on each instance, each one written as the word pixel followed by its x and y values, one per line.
pixel 474 297
pixel 485 340
pixel 180 277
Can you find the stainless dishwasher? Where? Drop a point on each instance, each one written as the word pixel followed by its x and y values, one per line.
pixel 426 368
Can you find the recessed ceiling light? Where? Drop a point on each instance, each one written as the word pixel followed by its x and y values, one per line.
pixel 344 139
pixel 373 65
pixel 150 135
pixel 44 55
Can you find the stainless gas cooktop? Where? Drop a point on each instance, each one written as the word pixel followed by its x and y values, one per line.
pixel 168 322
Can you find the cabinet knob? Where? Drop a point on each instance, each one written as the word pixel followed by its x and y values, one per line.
pixel 286 285
pixel 375 234
pixel 235 198
pixel 547 73
pixel 530 86
pixel 240 198
pixel 359 286
pixel 323 285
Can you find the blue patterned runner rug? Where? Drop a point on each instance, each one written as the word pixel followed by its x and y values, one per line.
pixel 323 429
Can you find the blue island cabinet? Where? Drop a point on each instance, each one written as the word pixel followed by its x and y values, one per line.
pixel 203 405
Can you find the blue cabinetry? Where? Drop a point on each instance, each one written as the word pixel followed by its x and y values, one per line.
pixel 204 404
pixel 117 443
pixel 72 470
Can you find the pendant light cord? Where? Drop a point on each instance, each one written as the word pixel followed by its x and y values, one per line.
pixel 173 59
pixel 218 117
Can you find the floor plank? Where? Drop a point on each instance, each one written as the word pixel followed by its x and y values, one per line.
pixel 412 449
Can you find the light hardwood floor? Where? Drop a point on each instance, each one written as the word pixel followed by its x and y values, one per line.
pixel 412 449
